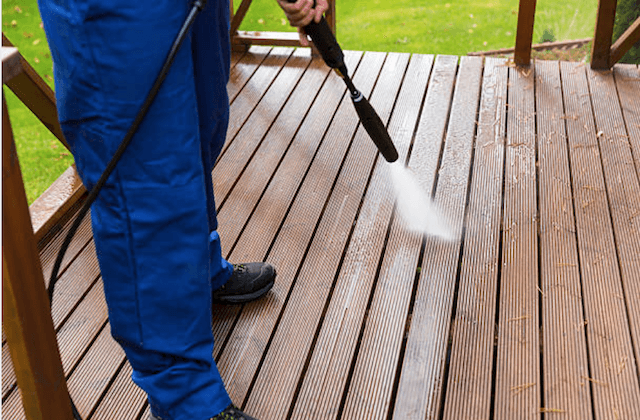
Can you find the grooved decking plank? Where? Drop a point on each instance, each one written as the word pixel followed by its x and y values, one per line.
pixel 596 246
pixel 325 379
pixel 252 134
pixel 249 97
pixel 95 371
pixel 413 395
pixel 276 383
pixel 518 357
pixel 244 69
pixel 469 386
pixel 628 81
pixel 564 353
pixel 123 400
pixel 72 286
pixel 298 141
pixel 623 192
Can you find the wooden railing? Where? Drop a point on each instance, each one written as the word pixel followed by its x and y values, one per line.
pixel 244 39
pixel 603 54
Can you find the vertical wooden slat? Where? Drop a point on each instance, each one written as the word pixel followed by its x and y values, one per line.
pixel 565 360
pixel 518 357
pixel 469 384
pixel 26 318
pixel 524 34
pixel 601 50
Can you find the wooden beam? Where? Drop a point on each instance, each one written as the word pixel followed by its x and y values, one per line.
pixel 36 95
pixel 239 15
pixel 625 42
pixel 25 307
pixel 524 35
pixel 282 39
pixel 601 51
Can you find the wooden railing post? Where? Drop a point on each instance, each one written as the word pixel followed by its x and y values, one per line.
pixel 605 19
pixel 25 308
pixel 524 34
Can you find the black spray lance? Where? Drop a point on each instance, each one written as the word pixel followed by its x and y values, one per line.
pixel 332 54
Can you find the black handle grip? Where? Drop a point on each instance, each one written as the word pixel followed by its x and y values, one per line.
pixel 326 43
pixel 375 128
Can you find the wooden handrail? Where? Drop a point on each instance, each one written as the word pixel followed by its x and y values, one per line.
pixel 605 19
pixel 242 40
pixel 25 307
pixel 625 42
pixel 34 92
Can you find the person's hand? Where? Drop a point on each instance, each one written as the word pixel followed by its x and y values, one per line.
pixel 302 12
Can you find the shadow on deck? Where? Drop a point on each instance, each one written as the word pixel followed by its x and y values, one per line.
pixel 534 308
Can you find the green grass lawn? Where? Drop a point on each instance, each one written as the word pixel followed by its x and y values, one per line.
pixel 451 27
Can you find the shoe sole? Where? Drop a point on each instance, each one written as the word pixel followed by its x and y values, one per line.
pixel 248 297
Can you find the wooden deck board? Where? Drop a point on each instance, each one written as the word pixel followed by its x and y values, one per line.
pixel 532 311
pixel 564 352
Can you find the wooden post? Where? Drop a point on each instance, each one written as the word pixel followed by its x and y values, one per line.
pixel 601 50
pixel 25 307
pixel 524 35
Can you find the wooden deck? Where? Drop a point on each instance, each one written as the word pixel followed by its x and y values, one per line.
pixel 532 312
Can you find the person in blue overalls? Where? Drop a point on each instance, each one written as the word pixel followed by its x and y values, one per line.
pixel 154 222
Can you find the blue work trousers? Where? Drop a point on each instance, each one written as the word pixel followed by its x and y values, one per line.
pixel 154 223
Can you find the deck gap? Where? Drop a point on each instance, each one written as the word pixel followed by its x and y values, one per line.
pixel 407 328
pixel 345 391
pixel 268 130
pixel 443 140
pixel 142 411
pixel 80 300
pixel 224 150
pixel 252 73
pixel 579 254
pixel 309 244
pixel 417 124
pixel 494 370
pixel 539 240
pixel 106 389
pixel 456 291
pixel 86 350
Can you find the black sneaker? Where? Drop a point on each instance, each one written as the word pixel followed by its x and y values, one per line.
pixel 248 282
pixel 230 413
pixel 233 413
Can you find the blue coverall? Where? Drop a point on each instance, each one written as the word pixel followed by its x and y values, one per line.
pixel 154 223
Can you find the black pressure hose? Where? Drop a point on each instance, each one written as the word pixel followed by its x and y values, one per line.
pixel 198 5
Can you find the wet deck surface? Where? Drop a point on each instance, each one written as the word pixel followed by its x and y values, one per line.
pixel 532 311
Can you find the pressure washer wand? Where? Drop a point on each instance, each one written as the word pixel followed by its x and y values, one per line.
pixel 332 54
